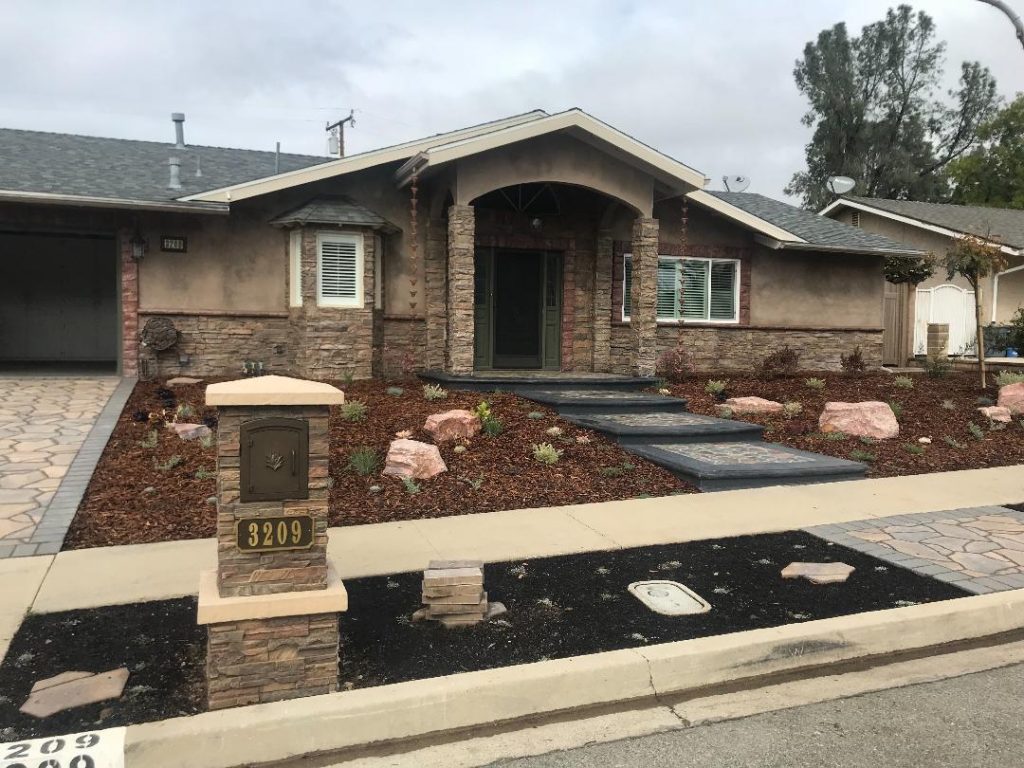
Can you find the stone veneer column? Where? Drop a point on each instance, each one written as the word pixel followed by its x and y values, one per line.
pixel 602 320
pixel 272 614
pixel 644 297
pixel 461 246
pixel 129 307
pixel 435 287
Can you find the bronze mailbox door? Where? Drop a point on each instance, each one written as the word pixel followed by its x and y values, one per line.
pixel 274 459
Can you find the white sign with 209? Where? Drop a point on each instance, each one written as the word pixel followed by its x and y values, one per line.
pixel 91 749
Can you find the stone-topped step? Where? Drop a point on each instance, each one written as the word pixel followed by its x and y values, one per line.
pixel 588 401
pixel 734 465
pixel 668 426
pixel 513 381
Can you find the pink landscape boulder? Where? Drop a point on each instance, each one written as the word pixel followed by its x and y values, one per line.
pixel 868 419
pixel 452 425
pixel 996 413
pixel 739 405
pixel 411 458
pixel 1011 397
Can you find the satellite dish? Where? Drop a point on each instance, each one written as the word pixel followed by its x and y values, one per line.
pixel 840 185
pixel 736 183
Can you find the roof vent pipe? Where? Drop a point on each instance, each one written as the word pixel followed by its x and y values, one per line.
pixel 179 129
pixel 175 165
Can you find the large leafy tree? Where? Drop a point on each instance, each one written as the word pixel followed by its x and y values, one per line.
pixel 875 113
pixel 993 172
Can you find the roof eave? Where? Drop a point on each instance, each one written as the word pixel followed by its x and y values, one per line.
pixel 743 217
pixel 778 245
pixel 87 201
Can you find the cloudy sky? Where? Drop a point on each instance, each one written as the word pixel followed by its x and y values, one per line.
pixel 709 82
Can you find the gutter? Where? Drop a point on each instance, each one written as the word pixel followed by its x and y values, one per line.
pixel 414 165
pixel 777 245
pixel 49 198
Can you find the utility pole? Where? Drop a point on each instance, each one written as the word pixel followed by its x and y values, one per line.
pixel 1011 15
pixel 336 132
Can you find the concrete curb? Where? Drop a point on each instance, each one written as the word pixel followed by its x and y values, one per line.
pixel 273 732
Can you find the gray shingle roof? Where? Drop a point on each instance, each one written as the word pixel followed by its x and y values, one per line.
pixel 815 229
pixel 334 209
pixel 66 164
pixel 1005 225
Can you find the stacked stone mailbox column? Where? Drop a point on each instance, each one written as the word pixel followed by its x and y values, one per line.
pixel 272 605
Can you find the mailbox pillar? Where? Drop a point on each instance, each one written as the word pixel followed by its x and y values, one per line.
pixel 272 605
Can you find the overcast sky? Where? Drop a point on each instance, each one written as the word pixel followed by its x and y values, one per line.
pixel 708 82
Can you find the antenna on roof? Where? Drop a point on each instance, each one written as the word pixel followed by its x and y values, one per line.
pixel 736 183
pixel 336 134
pixel 840 185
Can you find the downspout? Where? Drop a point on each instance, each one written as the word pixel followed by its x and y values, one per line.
pixel 995 287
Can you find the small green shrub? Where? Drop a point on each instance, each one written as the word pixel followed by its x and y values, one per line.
pixel 459 449
pixel 858 455
pixel 976 432
pixel 724 412
pixel 952 442
pixel 410 485
pixel 492 427
pixel 618 470
pixel 183 412
pixel 913 448
pixel 792 410
pixel 716 386
pixel 168 465
pixel 865 440
pixel 546 453
pixel 781 362
pixel 897 409
pixel 394 391
pixel 949 405
pixel 433 392
pixel 474 483
pixel 815 384
pixel 903 382
pixel 354 410
pixel 553 431
pixel 363 461
pixel 348 377
pixel 1009 377
pixel 205 474
pixel 151 439
pixel 834 436
pixel 207 441
pixel 675 365
pixel 938 367
pixel 984 401
pixel 853 364
pixel 535 415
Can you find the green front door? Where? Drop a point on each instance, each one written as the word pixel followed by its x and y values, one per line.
pixel 517 309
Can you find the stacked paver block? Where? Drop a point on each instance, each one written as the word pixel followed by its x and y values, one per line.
pixel 453 592
pixel 272 615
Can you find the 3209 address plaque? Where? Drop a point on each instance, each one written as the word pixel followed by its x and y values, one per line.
pixel 271 534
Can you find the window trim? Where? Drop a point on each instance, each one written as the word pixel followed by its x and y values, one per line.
pixel 627 258
pixel 355 302
pixel 295 268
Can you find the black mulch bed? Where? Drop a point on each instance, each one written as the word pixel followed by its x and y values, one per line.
pixel 159 642
pixel 557 607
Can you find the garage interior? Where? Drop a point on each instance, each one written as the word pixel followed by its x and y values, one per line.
pixel 58 302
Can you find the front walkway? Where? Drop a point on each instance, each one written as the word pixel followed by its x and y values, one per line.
pixel 52 432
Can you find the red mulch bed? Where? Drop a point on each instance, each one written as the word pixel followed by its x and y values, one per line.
pixel 118 508
pixel 923 415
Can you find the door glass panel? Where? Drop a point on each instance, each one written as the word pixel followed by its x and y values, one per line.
pixel 517 309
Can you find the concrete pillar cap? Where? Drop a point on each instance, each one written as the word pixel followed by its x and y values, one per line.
pixel 273 390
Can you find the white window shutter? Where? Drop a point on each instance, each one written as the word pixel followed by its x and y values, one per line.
pixel 295 268
pixel 723 290
pixel 340 273
pixel 695 289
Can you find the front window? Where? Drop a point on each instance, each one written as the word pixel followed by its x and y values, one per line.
pixel 339 270
pixel 691 290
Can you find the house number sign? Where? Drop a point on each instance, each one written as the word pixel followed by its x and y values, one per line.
pixel 272 534
pixel 92 749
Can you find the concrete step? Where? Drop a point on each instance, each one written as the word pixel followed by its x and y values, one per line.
pixel 512 381
pixel 587 401
pixel 668 426
pixel 733 465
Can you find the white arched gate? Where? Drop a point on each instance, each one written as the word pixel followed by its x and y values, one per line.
pixel 948 304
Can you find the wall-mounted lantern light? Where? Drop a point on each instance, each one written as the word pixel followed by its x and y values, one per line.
pixel 138 245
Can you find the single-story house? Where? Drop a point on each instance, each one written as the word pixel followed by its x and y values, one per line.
pixel 934 227
pixel 538 241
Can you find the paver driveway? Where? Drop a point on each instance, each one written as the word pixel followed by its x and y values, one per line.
pixel 52 431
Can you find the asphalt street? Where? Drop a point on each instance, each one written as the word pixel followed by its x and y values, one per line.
pixel 964 722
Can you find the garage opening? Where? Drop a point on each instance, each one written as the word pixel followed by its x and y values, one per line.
pixel 58 302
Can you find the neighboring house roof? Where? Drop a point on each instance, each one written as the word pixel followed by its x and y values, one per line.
pixel 94 168
pixel 337 210
pixel 1000 225
pixel 781 225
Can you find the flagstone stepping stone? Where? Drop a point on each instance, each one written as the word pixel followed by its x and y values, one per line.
pixel 191 431
pixel 681 426
pixel 73 689
pixel 728 466
pixel 818 573
pixel 179 380
pixel 741 405
pixel 585 402
pixel 996 413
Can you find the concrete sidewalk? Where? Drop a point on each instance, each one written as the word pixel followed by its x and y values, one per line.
pixel 112 575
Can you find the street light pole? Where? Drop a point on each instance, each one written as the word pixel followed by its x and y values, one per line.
pixel 1018 25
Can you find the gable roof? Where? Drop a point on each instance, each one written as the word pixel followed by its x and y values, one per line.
pixel 1001 225
pixel 781 225
pixel 94 168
